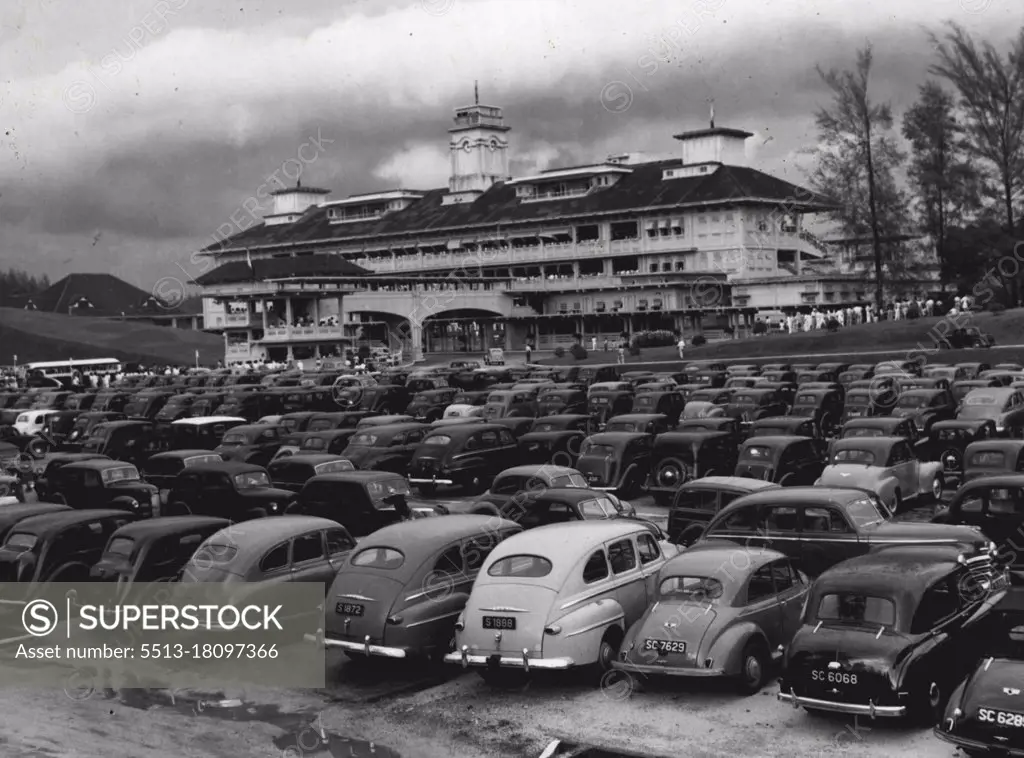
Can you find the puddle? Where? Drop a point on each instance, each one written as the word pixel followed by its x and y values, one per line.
pixel 304 733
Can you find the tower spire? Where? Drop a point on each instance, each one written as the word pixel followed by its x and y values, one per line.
pixel 712 113
pixel 476 92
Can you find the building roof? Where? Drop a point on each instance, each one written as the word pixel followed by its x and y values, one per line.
pixel 282 268
pixel 644 188
pixel 108 296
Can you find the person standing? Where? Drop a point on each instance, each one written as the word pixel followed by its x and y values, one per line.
pixel 529 351
pixel 622 350
pixel 681 345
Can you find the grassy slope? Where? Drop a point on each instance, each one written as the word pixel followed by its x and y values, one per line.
pixel 34 336
pixel 900 339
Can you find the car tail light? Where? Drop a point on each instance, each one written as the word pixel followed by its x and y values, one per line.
pixel 553 629
pixel 460 625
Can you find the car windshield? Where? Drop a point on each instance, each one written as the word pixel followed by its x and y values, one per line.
pixel 437 440
pixel 379 558
pixel 569 480
pixel 21 542
pixel 1004 501
pixel 757 452
pixel 120 474
pixel 364 440
pixel 864 513
pixel 333 467
pixel 597 450
pixel 854 455
pixel 978 398
pixel 744 400
pixel 988 458
pixel 314 443
pixel 699 589
pixel 121 546
pixel 913 401
pixel 598 508
pixel 522 566
pixel 251 480
pixel 856 608
pixel 623 426
pixel 234 438
pixel 380 490
pixel 858 401
pixel 863 432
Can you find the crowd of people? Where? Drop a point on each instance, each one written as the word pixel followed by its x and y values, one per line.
pixel 898 310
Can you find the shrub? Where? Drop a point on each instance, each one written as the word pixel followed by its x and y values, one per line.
pixel 730 330
pixel 578 352
pixel 656 338
pixel 832 325
pixel 559 352
pixel 913 311
pixel 995 307
pixel 634 350
pixel 760 327
pixel 699 340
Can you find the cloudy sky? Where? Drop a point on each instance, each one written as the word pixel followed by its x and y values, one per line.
pixel 133 129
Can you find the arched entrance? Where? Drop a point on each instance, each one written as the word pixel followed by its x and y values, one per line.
pixel 466 330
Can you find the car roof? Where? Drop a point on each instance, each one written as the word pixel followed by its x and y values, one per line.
pixel 229 467
pixel 872 444
pixel 311 459
pixel 176 454
pixel 998 480
pixel 96 464
pixel 51 522
pixel 620 438
pixel 198 420
pixel 10 514
pixel 878 422
pixel 923 392
pixel 994 391
pixel 730 564
pixel 402 426
pixel 126 424
pixel 801 496
pixel 456 430
pixel 775 440
pixel 536 468
pixel 899 571
pixel 996 444
pixel 638 416
pixel 155 527
pixel 741 483
pixel 354 476
pixel 419 538
pixel 570 494
pixel 263 533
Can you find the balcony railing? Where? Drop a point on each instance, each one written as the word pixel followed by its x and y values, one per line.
pixel 302 333
pixel 239 319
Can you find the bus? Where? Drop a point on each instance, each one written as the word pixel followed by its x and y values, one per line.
pixel 62 372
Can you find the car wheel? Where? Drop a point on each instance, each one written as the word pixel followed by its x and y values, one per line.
pixel 37 448
pixel 929 705
pixel 427 490
pixel 178 509
pixel 897 502
pixel 753 668
pixel 670 472
pixel 606 652
pixel 5 490
pixel 937 485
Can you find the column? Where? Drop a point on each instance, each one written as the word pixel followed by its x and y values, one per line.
pixel 316 311
pixel 416 337
pixel 225 347
pixel 263 315
pixel 288 310
pixel 576 269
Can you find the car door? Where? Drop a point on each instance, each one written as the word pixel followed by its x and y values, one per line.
pixel 903 465
pixel 939 616
pixel 791 590
pixel 309 559
pixel 780 524
pixel 826 539
pixel 742 527
pixel 651 561
pixel 629 581
pixel 762 607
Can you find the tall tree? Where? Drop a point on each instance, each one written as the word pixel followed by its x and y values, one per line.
pixel 946 184
pixel 991 91
pixel 856 157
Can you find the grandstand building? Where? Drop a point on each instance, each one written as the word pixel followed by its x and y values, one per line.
pixel 699 242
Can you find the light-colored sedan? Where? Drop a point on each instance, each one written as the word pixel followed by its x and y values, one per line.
pixel 720 611
pixel 559 597
pixel 885 465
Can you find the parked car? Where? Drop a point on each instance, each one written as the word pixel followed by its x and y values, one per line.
pixel 250 443
pixel 356 499
pixel 608 399
pixel 399 594
pixel 283 549
pixel 12 514
pixel 292 473
pixel 890 634
pixel 959 390
pixel 31 423
pixel 788 461
pixel 639 423
pixel 616 461
pixel 678 457
pixel 83 426
pixel 881 426
pixel 231 490
pixel 863 402
pixel 965 337
pixel 823 406
pixel 58 547
pixel 993 457
pixel 983 715
pixel 948 441
pixel 556 439
pixel 887 466
pixel 718 611
pixel 518 425
pixel 1002 405
pixel 93 483
pixel 154 550
pixel 559 597
pixel 994 505
pixel 145 405
pixel 786 426
pixel 468 456
pixel 296 421
pixel 973 369
pixel 669 404
pixel 697 501
pixel 557 402
pixel 161 469
pixel 518 484
pixel 559 505
pixel 176 407
pixel 385 448
pixel 820 526
pixel 429 405
pixel 129 441
pixel 925 407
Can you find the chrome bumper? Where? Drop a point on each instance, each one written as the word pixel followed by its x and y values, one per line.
pixel 630 668
pixel 431 481
pixel 871 710
pixel 362 648
pixel 977 745
pixel 521 661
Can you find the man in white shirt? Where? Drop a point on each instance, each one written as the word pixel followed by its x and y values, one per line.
pixel 681 345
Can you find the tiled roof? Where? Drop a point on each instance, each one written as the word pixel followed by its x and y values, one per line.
pixel 643 188
pixel 282 268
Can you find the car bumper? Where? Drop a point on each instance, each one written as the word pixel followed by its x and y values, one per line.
pixel 419 480
pixel 977 746
pixel 362 648
pixel 633 668
pixel 858 709
pixel 521 661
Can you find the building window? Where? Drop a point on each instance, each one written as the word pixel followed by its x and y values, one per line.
pixel 599 307
pixel 641 305
pixel 677 227
pixel 589 233
pixel 563 307
pixel 702 219
pixel 657 303
pixel 618 304
pixel 577 307
pixel 680 266
pixel 654 268
pixel 625 230
pixel 666 266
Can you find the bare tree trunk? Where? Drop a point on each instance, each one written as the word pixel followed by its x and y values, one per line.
pixel 876 239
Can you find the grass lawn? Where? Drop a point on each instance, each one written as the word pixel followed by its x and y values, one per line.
pixel 900 340
pixel 35 336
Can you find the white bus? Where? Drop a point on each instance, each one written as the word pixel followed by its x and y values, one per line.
pixel 63 371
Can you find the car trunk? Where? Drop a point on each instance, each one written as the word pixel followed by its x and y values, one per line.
pixel 990 688
pixel 363 600
pixel 598 471
pixel 843 664
pixel 675 622
pixel 760 471
pixel 504 604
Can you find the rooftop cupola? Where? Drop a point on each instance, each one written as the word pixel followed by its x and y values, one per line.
pixel 479 151
pixel 291 202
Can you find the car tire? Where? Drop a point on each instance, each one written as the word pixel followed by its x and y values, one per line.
pixel 669 464
pixel 427 490
pixel 178 508
pixel 936 490
pixel 38 448
pixel 606 652
pixel 928 706
pixel 753 668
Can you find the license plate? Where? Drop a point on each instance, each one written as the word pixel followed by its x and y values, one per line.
pixel 1001 718
pixel 834 677
pixel 592 477
pixel 349 609
pixel 664 647
pixel 499 622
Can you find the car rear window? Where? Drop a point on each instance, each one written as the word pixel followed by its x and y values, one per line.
pixel 622 426
pixel 569 480
pixel 854 455
pixel 366 440
pixel 864 513
pixel 122 546
pixel 699 500
pixel 973 399
pixel 692 588
pixel 757 452
pixel 856 608
pixel 333 467
pixel 599 508
pixel 21 542
pixel 988 458
pixel 437 440
pixel 213 553
pixel 379 557
pixel 233 438
pixel 913 401
pixel 600 451
pixel 314 443
pixel 524 566
pixel 120 474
